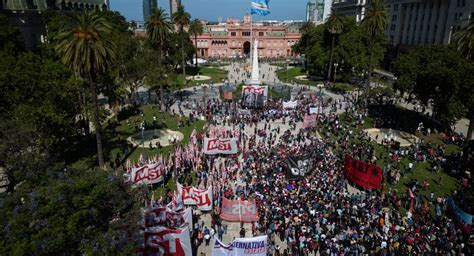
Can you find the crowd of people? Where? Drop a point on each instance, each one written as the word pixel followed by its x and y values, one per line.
pixel 321 211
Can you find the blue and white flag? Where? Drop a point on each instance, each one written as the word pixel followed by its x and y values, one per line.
pixel 260 7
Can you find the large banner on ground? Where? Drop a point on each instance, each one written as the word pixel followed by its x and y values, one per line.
pixel 254 96
pixel 363 174
pixel 298 167
pixel 254 246
pixel 202 198
pixel 310 121
pixel 239 211
pixel 290 104
pixel 164 216
pixel 213 146
pixel 463 219
pixel 147 174
pixel 163 241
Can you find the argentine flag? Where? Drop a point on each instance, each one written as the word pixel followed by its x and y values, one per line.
pixel 260 7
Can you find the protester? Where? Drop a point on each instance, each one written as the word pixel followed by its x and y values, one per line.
pixel 316 212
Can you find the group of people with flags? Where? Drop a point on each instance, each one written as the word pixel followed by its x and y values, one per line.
pixel 299 209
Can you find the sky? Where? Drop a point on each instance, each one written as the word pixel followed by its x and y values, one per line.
pixel 211 10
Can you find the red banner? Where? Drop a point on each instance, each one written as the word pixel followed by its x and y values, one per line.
pixel 363 174
pixel 310 121
pixel 164 216
pixel 212 146
pixel 163 241
pixel 237 210
pixel 147 174
pixel 202 198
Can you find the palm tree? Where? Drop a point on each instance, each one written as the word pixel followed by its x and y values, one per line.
pixel 465 46
pixel 465 41
pixel 158 29
pixel 335 26
pixel 133 25
pixel 181 18
pixel 374 25
pixel 196 28
pixel 87 49
pixel 305 30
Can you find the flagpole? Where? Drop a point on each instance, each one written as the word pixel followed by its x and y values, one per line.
pixel 251 37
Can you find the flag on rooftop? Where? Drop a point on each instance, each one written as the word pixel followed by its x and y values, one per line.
pixel 260 7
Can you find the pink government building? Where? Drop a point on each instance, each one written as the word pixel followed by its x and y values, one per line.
pixel 232 39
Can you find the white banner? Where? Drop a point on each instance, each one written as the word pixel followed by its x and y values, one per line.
pixel 290 104
pixel 202 198
pixel 212 146
pixel 315 110
pixel 244 112
pixel 254 246
pixel 147 174
pixel 163 241
pixel 164 216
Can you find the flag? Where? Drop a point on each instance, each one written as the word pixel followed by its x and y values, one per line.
pixel 163 241
pixel 260 7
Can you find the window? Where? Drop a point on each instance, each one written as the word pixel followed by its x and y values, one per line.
pixel 260 33
pixel 394 17
pixel 246 33
pixel 233 34
pixel 395 7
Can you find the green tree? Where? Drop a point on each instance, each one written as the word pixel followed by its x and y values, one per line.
pixel 465 46
pixel 416 70
pixel 181 18
pixel 351 48
pixel 374 25
pixel 72 212
pixel 87 49
pixel 312 44
pixel 133 25
pixel 335 26
pixel 10 37
pixel 465 41
pixel 196 29
pixel 158 32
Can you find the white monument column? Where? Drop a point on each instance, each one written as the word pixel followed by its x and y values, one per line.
pixel 255 78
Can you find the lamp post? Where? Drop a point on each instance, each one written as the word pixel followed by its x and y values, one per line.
pixel 287 68
pixel 335 71
pixel 142 127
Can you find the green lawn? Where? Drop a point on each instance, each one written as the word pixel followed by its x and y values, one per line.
pixel 217 76
pixel 114 143
pixel 421 172
pixel 293 72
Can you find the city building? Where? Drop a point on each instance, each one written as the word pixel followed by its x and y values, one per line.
pixel 422 22
pixel 317 11
pixel 26 15
pixel 416 22
pixel 232 38
pixel 353 8
pixel 148 6
pixel 174 6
